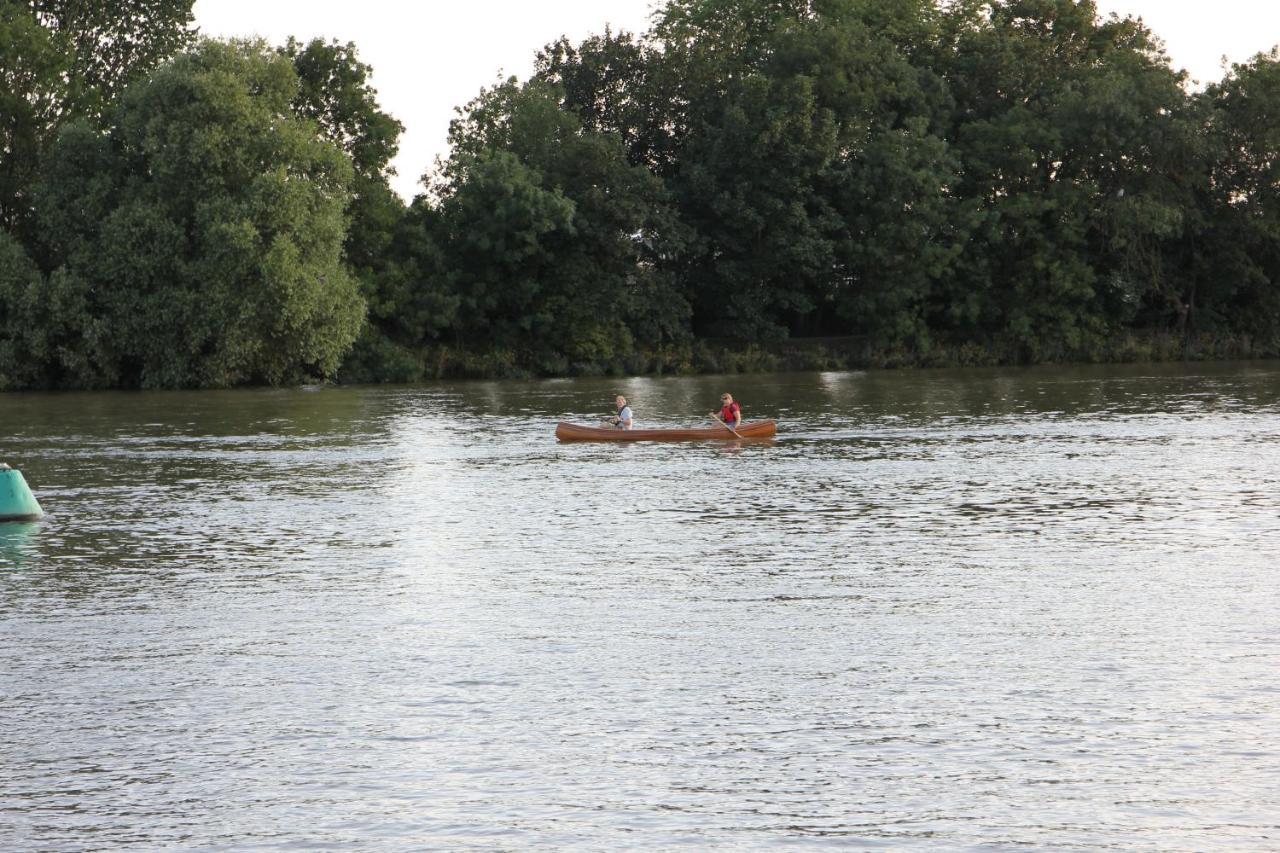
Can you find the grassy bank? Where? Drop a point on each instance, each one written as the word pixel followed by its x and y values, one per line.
pixel 390 364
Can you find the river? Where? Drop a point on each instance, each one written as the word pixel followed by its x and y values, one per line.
pixel 944 610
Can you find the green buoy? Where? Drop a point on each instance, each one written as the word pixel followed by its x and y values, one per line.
pixel 16 501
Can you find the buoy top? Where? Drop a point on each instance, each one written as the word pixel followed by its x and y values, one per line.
pixel 16 501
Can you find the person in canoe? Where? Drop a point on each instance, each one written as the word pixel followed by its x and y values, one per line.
pixel 622 420
pixel 730 412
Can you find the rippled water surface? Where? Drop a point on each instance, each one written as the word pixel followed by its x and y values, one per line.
pixel 943 610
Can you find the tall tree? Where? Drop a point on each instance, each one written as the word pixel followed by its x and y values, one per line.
pixel 335 91
pixel 64 59
pixel 203 232
pixel 613 83
pixel 810 166
pixel 583 225
pixel 392 255
pixel 1061 123
pixel 1239 251
pixel 24 329
pixel 110 45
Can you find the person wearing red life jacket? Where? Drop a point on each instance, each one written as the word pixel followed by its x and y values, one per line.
pixel 730 412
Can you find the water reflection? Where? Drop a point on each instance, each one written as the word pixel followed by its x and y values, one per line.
pixel 16 542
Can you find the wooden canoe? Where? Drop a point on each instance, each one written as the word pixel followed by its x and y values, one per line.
pixel 578 432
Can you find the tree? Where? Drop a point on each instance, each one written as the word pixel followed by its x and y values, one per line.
pixel 336 93
pixel 810 164
pixel 112 44
pixel 497 221
pixel 748 187
pixel 32 71
pixel 62 60
pixel 392 250
pixel 1240 246
pixel 1061 122
pixel 206 226
pixel 21 328
pixel 554 230
pixel 613 84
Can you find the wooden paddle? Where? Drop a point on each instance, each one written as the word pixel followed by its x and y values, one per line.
pixel 726 426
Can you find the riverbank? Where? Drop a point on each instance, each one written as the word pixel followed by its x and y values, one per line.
pixel 398 365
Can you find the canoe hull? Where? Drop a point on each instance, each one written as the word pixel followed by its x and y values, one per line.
pixel 579 432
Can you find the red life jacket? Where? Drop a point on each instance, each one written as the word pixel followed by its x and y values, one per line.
pixel 727 413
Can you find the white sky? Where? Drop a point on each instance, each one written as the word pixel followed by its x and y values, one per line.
pixel 431 56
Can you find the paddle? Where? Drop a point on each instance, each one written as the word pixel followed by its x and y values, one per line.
pixel 726 426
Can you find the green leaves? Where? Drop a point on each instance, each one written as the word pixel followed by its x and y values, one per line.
pixel 334 90
pixel 208 224
pixel 1239 240
pixel 1059 117
pixel 62 61
pixel 1018 175
pixel 551 230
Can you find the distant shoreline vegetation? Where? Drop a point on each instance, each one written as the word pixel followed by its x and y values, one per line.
pixel 750 185
pixel 796 354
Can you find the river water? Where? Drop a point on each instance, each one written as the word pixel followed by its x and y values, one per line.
pixel 944 610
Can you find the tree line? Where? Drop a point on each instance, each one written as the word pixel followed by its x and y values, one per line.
pixel 1015 180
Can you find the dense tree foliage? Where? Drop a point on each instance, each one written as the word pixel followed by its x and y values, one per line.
pixel 1237 252
pixel 25 327
pixel 62 60
pixel 1021 176
pixel 997 180
pixel 551 229
pixel 200 236
pixel 336 92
